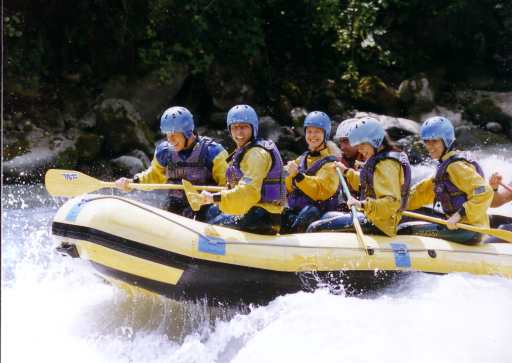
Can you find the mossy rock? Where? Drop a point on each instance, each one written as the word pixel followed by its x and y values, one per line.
pixel 487 106
pixel 377 96
pixel 68 158
pixel 15 149
pixel 293 93
pixel 88 146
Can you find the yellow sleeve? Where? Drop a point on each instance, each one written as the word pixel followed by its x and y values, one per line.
pixel 465 178
pixel 155 174
pixel 321 186
pixel 387 182
pixel 289 179
pixel 422 194
pixel 352 177
pixel 255 165
pixel 219 168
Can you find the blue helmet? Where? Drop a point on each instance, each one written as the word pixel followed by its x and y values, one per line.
pixel 438 127
pixel 321 120
pixel 367 129
pixel 177 119
pixel 243 114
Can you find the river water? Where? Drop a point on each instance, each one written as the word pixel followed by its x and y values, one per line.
pixel 55 311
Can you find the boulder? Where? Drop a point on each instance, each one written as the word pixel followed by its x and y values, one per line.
pixel 131 163
pixel 453 115
pixel 226 88
pixel 285 107
pixel 80 116
pixel 293 93
pixel 38 153
pixel 53 120
pixel 336 107
pixel 298 114
pixel 397 128
pixel 414 148
pixel 88 146
pixel 467 137
pixel 268 128
pixel 218 120
pixel 377 96
pixel 420 88
pixel 477 74
pixel 146 163
pixel 495 107
pixel 123 127
pixel 149 95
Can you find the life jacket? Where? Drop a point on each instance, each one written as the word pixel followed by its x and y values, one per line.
pixel 297 199
pixel 350 164
pixel 192 168
pixel 273 189
pixel 451 197
pixel 368 170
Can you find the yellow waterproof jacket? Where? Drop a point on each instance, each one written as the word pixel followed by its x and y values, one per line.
pixel 255 165
pixel 156 173
pixel 465 177
pixel 321 186
pixel 387 182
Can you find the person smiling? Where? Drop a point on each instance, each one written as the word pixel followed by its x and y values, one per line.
pixel 255 177
pixel 384 182
pixel 312 184
pixel 458 185
pixel 185 155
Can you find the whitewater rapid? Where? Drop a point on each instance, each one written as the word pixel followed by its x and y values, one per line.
pixel 54 310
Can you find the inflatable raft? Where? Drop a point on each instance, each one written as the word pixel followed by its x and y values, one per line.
pixel 179 258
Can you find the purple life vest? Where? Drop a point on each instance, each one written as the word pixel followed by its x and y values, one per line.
pixel 297 199
pixel 273 189
pixel 368 170
pixel 446 192
pixel 192 169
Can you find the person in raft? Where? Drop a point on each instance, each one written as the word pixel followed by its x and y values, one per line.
pixel 499 198
pixel 351 157
pixel 458 185
pixel 185 155
pixel 255 176
pixel 312 185
pixel 384 182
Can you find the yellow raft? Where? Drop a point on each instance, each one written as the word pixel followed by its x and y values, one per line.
pixel 180 258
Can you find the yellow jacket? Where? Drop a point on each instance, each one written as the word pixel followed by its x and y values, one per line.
pixel 321 186
pixel 255 165
pixel 156 173
pixel 465 177
pixel 388 179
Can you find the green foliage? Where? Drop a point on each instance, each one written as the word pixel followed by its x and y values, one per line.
pixel 11 23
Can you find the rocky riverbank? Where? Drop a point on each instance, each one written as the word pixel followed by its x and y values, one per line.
pixel 109 128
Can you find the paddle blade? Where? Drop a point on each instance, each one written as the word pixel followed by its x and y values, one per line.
pixel 69 183
pixel 194 198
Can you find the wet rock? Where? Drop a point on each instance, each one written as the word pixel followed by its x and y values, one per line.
pixel 80 115
pixel 226 88
pixel 475 73
pixel 328 85
pixel 495 107
pixel 131 163
pixel 414 148
pixel 38 155
pixel 88 146
pixel 268 128
pixel 287 155
pixel 73 133
pixel 142 157
pixel 123 127
pixel 115 87
pixel 419 88
pixel 298 114
pixel 293 144
pixel 377 96
pixel 74 77
pixel 323 99
pixel 54 120
pixel 397 128
pixel 218 120
pixel 494 127
pixel 467 137
pixel 453 115
pixel 86 70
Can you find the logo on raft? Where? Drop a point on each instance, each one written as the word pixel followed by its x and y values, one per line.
pixel 70 176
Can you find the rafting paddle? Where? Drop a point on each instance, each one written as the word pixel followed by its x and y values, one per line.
pixel 359 231
pixel 69 183
pixel 505 186
pixel 193 197
pixel 504 235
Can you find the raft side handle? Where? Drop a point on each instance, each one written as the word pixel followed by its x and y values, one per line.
pixel 432 253
pixel 68 249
